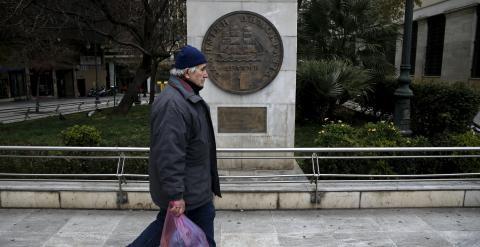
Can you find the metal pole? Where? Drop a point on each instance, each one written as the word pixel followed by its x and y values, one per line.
pixel 114 86
pixel 97 100
pixel 403 92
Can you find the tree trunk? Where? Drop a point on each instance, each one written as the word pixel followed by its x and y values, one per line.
pixel 28 91
pixel 153 80
pixel 37 99
pixel 133 88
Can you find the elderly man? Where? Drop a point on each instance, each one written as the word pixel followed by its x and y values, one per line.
pixel 183 164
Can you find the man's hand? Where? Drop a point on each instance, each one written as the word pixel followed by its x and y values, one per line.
pixel 177 207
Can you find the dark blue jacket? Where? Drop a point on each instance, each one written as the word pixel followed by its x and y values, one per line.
pixel 183 161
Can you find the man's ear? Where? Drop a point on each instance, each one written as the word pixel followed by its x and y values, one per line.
pixel 187 76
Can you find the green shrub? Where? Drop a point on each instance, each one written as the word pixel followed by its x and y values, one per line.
pixel 436 107
pixel 336 135
pixel 439 108
pixel 384 134
pixel 467 139
pixel 380 134
pixel 81 135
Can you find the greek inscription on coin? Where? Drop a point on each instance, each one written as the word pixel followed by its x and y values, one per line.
pixel 244 52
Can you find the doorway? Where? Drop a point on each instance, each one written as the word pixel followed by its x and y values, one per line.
pixel 81 87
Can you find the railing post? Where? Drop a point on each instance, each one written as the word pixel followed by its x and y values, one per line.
pixel 26 113
pixel 122 196
pixel 316 173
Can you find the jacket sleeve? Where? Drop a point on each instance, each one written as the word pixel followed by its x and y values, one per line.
pixel 169 142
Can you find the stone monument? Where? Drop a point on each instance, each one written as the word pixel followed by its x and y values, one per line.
pixel 251 49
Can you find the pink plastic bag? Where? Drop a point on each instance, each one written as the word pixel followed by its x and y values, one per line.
pixel 181 232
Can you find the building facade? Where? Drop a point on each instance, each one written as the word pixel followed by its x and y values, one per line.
pixel 12 83
pixel 445 42
pixel 71 80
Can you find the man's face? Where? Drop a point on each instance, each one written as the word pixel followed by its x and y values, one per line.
pixel 198 76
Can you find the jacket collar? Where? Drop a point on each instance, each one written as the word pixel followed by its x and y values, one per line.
pixel 185 90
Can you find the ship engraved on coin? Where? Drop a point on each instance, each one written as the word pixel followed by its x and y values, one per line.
pixel 244 52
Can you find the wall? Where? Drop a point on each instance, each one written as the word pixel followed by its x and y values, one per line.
pixel 458 47
pixel 89 76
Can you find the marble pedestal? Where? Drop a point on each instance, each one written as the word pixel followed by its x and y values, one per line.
pixel 277 98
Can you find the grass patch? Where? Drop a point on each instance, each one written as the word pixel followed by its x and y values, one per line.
pixel 132 130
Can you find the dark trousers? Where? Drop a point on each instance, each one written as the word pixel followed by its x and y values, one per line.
pixel 202 216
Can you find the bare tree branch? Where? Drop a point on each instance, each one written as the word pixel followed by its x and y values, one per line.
pixel 108 14
pixel 153 28
pixel 111 37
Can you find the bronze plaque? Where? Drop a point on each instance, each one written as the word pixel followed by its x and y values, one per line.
pixel 242 119
pixel 244 52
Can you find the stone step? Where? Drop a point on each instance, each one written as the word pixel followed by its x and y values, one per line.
pixel 242 175
pixel 254 195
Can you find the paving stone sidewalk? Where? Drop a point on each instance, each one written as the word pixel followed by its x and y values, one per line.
pixel 18 111
pixel 373 227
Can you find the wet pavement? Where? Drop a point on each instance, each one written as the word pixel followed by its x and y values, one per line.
pixel 372 227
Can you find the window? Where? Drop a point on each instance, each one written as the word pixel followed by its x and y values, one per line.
pixel 436 33
pixel 413 51
pixel 476 49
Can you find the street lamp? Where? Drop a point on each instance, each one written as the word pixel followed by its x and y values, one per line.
pixel 403 93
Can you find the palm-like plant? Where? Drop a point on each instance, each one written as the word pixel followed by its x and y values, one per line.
pixel 321 77
pixel 322 84
pixel 353 30
pixel 361 32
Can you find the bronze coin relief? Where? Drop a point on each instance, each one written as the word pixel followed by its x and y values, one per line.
pixel 244 52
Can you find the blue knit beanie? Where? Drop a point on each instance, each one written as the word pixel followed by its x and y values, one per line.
pixel 189 57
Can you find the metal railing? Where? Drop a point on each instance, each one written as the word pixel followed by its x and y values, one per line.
pixel 53 108
pixel 118 157
pixel 313 154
